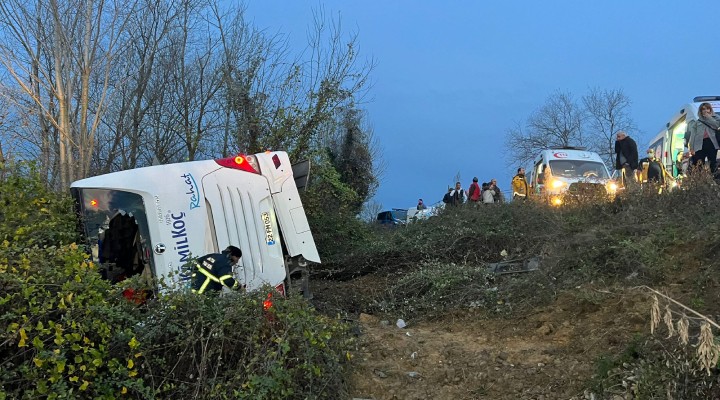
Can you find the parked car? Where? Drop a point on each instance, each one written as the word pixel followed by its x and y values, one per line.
pixel 394 217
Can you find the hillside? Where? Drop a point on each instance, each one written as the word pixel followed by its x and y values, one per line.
pixel 596 300
pixel 578 327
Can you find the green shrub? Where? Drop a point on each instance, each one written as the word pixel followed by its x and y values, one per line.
pixel 435 288
pixel 229 347
pixel 31 214
pixel 65 331
pixel 339 236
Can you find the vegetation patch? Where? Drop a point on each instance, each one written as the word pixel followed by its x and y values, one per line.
pixel 67 333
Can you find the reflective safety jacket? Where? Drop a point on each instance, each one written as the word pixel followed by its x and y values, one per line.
pixel 519 186
pixel 652 169
pixel 213 271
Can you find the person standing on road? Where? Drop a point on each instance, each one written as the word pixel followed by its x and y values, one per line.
pixel 519 185
pixel 474 193
pixel 652 169
pixel 488 196
pixel 457 195
pixel 626 157
pixel 421 205
pixel 498 195
pixel 702 138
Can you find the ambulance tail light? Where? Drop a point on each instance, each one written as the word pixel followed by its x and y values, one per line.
pixel 240 162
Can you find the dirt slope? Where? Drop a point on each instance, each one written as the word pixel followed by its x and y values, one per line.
pixel 549 354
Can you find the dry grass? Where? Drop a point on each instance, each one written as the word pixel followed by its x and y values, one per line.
pixel 708 350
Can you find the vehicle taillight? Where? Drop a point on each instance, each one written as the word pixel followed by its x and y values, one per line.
pixel 241 162
pixel 267 304
pixel 280 289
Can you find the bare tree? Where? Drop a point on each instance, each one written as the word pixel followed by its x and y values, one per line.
pixel 557 123
pixel 120 85
pixel 608 111
pixel 126 138
pixel 370 210
pixel 254 81
pixel 58 55
pixel 279 102
pixel 197 83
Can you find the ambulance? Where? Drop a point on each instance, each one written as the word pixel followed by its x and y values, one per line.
pixel 669 144
pixel 564 173
pixel 154 220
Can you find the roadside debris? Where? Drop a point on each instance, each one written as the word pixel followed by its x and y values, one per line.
pixel 514 266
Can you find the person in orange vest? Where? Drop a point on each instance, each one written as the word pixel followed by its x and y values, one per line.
pixel 519 185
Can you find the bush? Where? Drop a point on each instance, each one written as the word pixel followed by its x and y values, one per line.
pixel 65 331
pixel 31 214
pixel 639 238
pixel 652 368
pixel 229 347
pixel 69 334
pixel 435 288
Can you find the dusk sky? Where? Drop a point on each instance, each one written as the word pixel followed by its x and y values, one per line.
pixel 452 77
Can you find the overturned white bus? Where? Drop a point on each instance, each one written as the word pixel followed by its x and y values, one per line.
pixel 152 220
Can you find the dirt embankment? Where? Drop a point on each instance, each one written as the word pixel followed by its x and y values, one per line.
pixel 549 354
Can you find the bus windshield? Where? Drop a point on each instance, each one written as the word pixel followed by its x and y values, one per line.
pixel 578 169
pixel 115 226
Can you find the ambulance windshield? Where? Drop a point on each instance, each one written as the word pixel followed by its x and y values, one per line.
pixel 578 169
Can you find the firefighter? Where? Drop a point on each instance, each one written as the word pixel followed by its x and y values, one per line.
pixel 652 170
pixel 519 185
pixel 213 271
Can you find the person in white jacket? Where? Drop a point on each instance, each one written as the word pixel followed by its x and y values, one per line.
pixel 488 196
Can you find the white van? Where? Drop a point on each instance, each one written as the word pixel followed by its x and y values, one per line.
pixel 570 171
pixel 152 220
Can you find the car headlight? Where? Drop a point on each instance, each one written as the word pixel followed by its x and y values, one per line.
pixel 612 187
pixel 557 184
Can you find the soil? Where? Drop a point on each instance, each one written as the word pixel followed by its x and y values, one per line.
pixel 549 353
